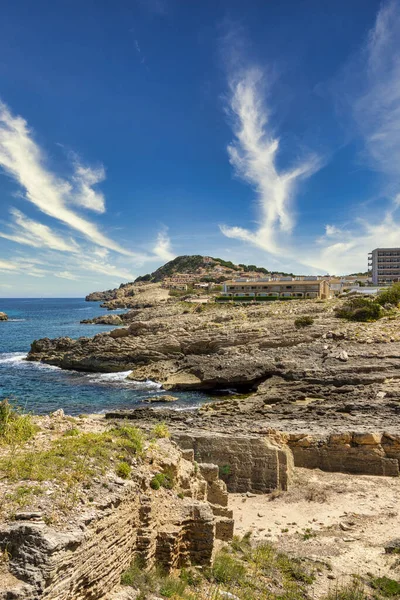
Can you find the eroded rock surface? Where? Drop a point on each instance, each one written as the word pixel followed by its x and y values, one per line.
pixel 3 316
pixel 85 556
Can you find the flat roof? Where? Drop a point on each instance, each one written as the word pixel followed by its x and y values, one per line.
pixel 398 249
pixel 284 282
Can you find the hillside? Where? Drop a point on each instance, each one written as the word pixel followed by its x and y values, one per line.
pixel 203 268
pixel 207 268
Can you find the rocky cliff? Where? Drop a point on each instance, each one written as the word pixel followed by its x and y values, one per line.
pixel 81 551
pixel 330 367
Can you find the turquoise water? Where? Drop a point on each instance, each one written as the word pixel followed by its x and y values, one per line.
pixel 42 388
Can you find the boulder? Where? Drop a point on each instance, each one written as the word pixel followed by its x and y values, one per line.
pixel 161 398
pixel 3 316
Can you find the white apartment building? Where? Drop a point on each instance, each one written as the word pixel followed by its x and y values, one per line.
pixel 384 264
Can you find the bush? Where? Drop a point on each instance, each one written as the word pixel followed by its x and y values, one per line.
pixel 304 321
pixel 224 471
pixel 162 480
pixel 227 569
pixel 360 309
pixel 123 470
pixel 161 430
pixel 388 587
pixel 15 427
pixel 389 296
pixel 130 439
pixel 172 587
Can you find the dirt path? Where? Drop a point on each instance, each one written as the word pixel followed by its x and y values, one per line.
pixel 343 521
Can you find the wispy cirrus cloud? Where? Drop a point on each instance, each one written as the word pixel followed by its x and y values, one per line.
pixel 22 159
pixel 253 155
pixel 376 108
pixel 84 179
pixel 162 248
pixel 32 233
pixel 371 88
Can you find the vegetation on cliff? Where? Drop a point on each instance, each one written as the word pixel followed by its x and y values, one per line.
pixel 194 263
pixel 246 570
pixel 370 309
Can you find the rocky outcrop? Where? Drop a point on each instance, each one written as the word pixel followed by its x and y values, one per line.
pixel 125 289
pixel 104 320
pixel 246 463
pixel 330 376
pixel 131 295
pixel 3 316
pixel 86 559
pixel 348 452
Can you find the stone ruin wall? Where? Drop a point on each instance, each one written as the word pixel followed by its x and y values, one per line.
pixel 348 452
pixel 247 463
pixel 86 560
pixel 260 464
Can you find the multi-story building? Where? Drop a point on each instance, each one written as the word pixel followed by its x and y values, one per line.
pixel 384 264
pixel 287 288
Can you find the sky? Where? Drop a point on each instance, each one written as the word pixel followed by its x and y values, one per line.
pixel 135 131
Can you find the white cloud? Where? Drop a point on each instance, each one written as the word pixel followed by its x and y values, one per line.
pixel 163 249
pixel 84 179
pixel 373 93
pixel 23 160
pixel 67 275
pixel 253 155
pixel 377 109
pixel 6 265
pixel 29 232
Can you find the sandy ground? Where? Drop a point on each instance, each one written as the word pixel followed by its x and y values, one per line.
pixel 340 521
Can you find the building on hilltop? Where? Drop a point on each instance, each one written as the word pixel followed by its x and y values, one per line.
pixel 384 265
pixel 278 288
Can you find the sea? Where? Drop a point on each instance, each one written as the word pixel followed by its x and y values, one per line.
pixel 40 388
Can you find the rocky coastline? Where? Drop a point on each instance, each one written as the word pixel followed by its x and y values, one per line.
pixel 293 401
pixel 3 316
pixel 331 373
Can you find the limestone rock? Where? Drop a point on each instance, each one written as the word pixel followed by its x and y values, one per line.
pixel 3 316
pixel 161 398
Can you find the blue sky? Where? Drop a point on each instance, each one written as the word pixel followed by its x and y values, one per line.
pixel 261 132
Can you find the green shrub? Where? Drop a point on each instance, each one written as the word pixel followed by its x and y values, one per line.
pixel 171 586
pixel 388 587
pixel 15 428
pixel 304 321
pixel 123 470
pixel 71 432
pixel 227 569
pixel 162 480
pixel 390 295
pixel 360 309
pixel 130 439
pixel 224 470
pixel 161 430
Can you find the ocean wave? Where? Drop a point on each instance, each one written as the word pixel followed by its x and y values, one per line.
pixel 17 359
pixel 120 378
pixel 15 320
pixel 12 357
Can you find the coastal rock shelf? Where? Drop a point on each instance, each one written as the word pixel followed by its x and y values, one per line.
pixel 3 316
pixel 330 372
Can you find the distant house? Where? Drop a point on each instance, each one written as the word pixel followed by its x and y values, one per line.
pixel 282 288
